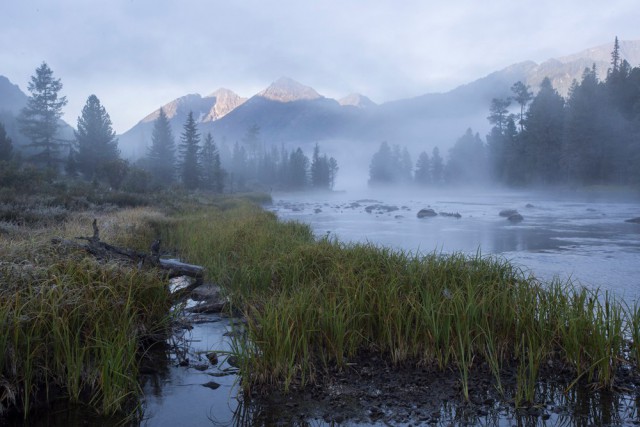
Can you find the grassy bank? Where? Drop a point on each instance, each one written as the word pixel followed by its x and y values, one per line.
pixel 74 328
pixel 316 305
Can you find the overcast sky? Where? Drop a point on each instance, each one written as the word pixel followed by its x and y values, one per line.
pixel 136 55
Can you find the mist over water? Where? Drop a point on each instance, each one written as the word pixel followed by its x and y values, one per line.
pixel 578 235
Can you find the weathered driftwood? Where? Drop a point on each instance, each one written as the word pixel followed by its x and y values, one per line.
pixel 104 250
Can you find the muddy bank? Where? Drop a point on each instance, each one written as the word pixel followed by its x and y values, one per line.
pixel 370 391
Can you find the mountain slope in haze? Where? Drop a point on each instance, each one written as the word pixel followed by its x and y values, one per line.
pixel 290 113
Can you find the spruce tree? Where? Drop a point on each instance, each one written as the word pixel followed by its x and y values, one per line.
pixel 39 119
pixel 320 172
pixel 189 153
pixel 96 142
pixel 161 156
pixel 298 170
pixel 212 172
pixel 6 145
pixel 422 175
pixel 437 167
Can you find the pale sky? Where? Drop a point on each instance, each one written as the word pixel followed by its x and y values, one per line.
pixel 137 55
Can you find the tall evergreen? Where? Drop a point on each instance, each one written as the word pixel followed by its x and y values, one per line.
pixel 437 167
pixel 543 136
pixel 422 174
pixel 189 154
pixel 522 95
pixel 161 156
pixel 96 143
pixel 6 145
pixel 467 164
pixel 298 170
pixel 320 170
pixel 212 172
pixel 39 119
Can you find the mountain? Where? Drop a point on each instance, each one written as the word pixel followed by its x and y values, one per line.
pixel 356 100
pixel 134 142
pixel 288 112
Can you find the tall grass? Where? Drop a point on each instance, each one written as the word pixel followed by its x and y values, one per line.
pixel 73 327
pixel 315 305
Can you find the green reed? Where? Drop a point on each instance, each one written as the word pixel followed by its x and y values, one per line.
pixel 316 305
pixel 74 328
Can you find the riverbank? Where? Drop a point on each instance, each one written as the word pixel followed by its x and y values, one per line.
pixel 320 310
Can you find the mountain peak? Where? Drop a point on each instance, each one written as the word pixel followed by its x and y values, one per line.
pixel 225 101
pixel 356 100
pixel 286 90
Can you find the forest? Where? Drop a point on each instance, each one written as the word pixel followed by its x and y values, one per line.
pixel 194 162
pixel 590 138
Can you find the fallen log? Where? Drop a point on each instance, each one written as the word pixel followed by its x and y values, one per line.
pixel 103 250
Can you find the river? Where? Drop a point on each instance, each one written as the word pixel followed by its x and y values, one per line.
pixel 580 236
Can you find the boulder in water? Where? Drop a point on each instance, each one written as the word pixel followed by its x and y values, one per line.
pixel 508 212
pixel 516 217
pixel 634 220
pixel 423 213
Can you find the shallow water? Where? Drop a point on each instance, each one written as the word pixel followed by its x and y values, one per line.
pixel 582 236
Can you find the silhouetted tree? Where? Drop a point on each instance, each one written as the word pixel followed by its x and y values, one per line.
pixel 39 119
pixel 298 170
pixel 499 113
pixel 437 167
pixel 189 154
pixel 422 175
pixel 543 136
pixel 96 142
pixel 162 157
pixel 522 95
pixel 213 174
pixel 6 145
pixel 467 164
pixel 320 172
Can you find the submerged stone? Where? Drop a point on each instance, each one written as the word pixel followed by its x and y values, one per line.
pixel 515 217
pixel 634 220
pixel 424 213
pixel 508 212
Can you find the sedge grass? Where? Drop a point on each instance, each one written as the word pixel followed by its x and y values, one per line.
pixel 314 305
pixel 74 328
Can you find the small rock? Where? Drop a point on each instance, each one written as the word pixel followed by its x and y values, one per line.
pixel 201 367
pixel 451 214
pixel 213 358
pixel 211 384
pixel 529 205
pixel 233 361
pixel 515 217
pixel 424 213
pixel 634 220
pixel 508 212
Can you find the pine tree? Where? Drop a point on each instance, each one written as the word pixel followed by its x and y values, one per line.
pixel 422 175
pixel 522 96
pixel 499 113
pixel 212 172
pixel 161 157
pixel 382 169
pixel 437 167
pixel 467 163
pixel 543 136
pixel 96 142
pixel 6 145
pixel 189 152
pixel 298 170
pixel 39 119
pixel 320 170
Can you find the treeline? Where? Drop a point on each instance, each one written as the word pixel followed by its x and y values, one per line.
pixel 193 163
pixel 590 138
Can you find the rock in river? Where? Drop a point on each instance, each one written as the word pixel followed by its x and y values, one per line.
pixel 516 217
pixel 423 213
pixel 634 220
pixel 508 212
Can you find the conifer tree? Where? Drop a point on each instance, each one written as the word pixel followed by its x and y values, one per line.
pixel 39 119
pixel 437 167
pixel 422 175
pixel 161 157
pixel 96 142
pixel 6 145
pixel 189 152
pixel 212 172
